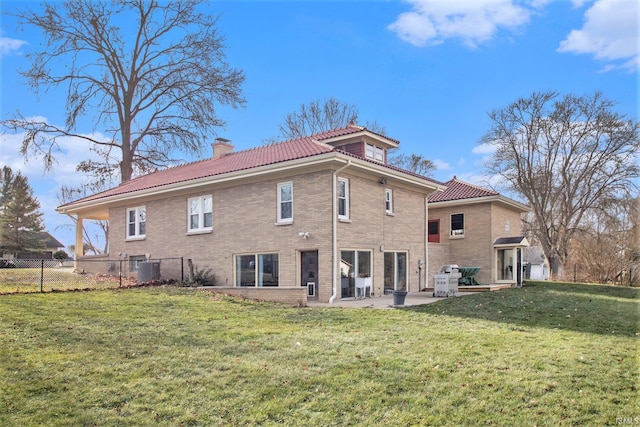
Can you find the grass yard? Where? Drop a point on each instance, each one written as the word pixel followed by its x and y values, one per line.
pixel 546 355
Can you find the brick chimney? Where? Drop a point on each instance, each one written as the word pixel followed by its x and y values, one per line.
pixel 221 148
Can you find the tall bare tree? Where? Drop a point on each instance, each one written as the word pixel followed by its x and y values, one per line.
pixel 413 162
pixel 563 154
pixel 321 115
pixel 148 74
pixel 604 248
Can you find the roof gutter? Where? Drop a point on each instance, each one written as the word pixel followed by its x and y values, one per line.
pixel 334 222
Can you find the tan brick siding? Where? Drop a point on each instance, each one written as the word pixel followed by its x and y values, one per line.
pixel 294 296
pixel 438 256
pixel 483 224
pixel 244 222
pixel 373 230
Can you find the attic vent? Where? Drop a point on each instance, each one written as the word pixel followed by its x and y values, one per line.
pixel 221 147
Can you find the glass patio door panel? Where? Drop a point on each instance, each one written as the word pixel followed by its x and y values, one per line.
pixel 246 270
pixel 505 264
pixel 401 271
pixel 353 264
pixel 268 270
pixel 395 271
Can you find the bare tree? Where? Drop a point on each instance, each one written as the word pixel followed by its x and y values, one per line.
pixel 148 74
pixel 320 116
pixel 564 155
pixel 416 163
pixel 603 249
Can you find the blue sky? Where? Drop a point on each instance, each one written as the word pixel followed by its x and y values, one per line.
pixel 429 71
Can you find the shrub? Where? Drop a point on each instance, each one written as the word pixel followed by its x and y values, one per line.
pixel 60 255
pixel 198 277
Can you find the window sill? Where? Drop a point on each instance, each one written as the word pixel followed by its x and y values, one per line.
pixel 457 236
pixel 197 232
pixel 389 213
pixel 347 220
pixel 135 238
pixel 289 222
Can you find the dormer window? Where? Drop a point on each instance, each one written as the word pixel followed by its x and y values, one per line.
pixel 379 154
pixel 369 152
pixel 374 152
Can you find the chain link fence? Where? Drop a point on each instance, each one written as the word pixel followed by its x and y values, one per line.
pixel 50 275
pixel 628 275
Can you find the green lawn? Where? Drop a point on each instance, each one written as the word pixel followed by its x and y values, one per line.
pixel 545 355
pixel 29 280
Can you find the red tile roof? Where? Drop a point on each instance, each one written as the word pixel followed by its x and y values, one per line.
pixel 457 190
pixel 236 161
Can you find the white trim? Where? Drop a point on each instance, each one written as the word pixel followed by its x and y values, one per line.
pixel 334 231
pixel 347 200
pixel 137 234
pixel 388 201
pixel 500 199
pixel 280 219
pixel 196 183
pixel 201 213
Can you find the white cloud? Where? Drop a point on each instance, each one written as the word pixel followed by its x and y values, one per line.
pixel 46 184
pixel 441 165
pixel 484 149
pixel 9 45
pixel 609 33
pixel 473 21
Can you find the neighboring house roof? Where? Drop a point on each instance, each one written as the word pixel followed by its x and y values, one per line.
pixel 511 241
pixel 50 241
pixel 459 192
pixel 293 149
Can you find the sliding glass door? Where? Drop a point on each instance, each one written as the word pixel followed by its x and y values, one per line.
pixel 353 264
pixel 395 271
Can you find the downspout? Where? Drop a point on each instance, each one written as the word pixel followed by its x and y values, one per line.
pixel 426 244
pixel 335 231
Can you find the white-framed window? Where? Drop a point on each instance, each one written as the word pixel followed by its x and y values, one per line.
pixel 388 200
pixel 457 225
pixel 343 198
pixel 257 270
pixel 136 222
pixel 285 202
pixel 200 215
pixel 374 152
pixel 369 151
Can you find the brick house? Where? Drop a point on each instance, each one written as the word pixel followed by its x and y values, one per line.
pixel 322 217
pixel 475 227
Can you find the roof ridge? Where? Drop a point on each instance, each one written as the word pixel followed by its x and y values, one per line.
pixel 477 187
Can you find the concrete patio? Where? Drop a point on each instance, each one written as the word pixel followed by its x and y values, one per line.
pixel 386 301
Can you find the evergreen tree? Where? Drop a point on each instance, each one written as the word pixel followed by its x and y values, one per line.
pixel 20 216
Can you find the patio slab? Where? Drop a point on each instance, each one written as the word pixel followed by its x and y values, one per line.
pixel 386 301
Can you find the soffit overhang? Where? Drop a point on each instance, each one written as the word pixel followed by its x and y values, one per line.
pixel 498 199
pixel 98 208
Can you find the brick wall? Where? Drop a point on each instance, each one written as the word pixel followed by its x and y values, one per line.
pixel 372 229
pixel 288 295
pixel 483 224
pixel 245 222
pixel 438 256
